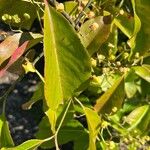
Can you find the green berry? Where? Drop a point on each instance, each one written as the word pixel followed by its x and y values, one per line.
pixel 6 17
pixel 26 16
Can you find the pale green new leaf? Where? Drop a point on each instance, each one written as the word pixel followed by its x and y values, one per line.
pixel 135 117
pixel 130 89
pixel 113 97
pixel 93 120
pixel 143 71
pixel 131 85
pixel 67 63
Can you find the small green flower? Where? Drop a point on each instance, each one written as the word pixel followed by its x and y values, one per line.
pixel 112 145
pixel 114 109
pixel 93 62
pixel 101 58
pixel 94 26
pixel 28 66
pixel 137 55
pixel 112 57
pixel 16 19
pixel 60 7
pixel 125 55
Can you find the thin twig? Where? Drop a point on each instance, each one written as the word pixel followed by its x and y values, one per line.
pixel 11 88
pixel 82 13
pixel 53 3
pixel 38 58
pixel 60 124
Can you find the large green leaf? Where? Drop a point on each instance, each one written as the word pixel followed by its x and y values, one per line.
pixel 93 120
pixel 140 42
pixel 93 39
pixel 143 71
pixel 113 97
pixel 135 117
pixel 67 63
pixel 20 7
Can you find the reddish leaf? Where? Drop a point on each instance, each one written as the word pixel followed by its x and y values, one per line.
pixel 15 56
pixel 8 46
pixel 11 43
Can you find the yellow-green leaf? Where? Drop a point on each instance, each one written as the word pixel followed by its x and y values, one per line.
pixel 140 41
pixel 67 63
pixel 113 97
pixel 5 137
pixel 135 117
pixel 93 120
pixel 95 32
pixel 143 71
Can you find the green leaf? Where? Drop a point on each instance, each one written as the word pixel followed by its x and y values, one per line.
pixel 131 89
pixel 110 46
pixel 143 126
pixel 131 86
pixel 145 88
pixel 5 137
pixel 93 39
pixel 38 95
pixel 137 26
pixel 93 120
pixel 135 117
pixel 70 7
pixel 143 71
pixel 28 145
pixel 125 23
pixel 20 7
pixel 69 132
pixel 140 42
pixel 113 97
pixel 67 63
